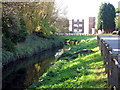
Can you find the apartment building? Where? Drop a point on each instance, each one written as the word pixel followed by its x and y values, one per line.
pixel 78 26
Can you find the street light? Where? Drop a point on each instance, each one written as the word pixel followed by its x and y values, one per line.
pixel 102 26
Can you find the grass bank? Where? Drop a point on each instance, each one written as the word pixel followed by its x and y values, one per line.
pixel 77 71
pixel 31 46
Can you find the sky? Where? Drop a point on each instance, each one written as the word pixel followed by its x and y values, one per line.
pixel 82 9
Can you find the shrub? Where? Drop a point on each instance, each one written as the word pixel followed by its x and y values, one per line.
pixel 114 32
pixel 31 46
pixel 7 44
pixel 14 29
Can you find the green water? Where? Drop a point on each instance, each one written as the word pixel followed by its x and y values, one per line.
pixel 23 73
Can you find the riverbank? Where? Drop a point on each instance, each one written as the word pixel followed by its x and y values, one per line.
pixel 76 71
pixel 30 47
pixel 22 73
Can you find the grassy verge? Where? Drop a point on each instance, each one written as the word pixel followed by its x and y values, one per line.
pixel 79 38
pixel 78 71
pixel 31 46
pixel 108 34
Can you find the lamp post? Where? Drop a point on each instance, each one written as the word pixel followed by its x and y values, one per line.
pixel 102 26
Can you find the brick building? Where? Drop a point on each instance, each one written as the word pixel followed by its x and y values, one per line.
pixel 91 24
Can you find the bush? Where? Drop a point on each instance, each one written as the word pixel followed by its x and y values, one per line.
pixel 114 32
pixel 7 44
pixel 14 28
pixel 31 46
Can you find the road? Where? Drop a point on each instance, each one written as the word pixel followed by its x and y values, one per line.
pixel 114 42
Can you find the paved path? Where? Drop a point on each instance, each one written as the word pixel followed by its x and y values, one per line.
pixel 114 42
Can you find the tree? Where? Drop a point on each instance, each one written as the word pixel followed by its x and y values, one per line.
pixel 63 24
pixel 13 27
pixel 107 15
pixel 20 19
pixel 117 10
pixel 117 19
pixel 37 16
pixel 117 22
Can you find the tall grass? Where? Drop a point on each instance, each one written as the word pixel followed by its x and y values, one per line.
pixel 31 46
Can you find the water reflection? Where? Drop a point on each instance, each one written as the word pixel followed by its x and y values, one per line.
pixel 23 73
pixel 36 70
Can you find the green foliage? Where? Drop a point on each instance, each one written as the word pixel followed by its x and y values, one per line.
pixel 14 28
pixel 53 29
pixel 62 24
pixel 7 44
pixel 22 30
pixel 31 46
pixel 14 31
pixel 117 22
pixel 114 32
pixel 84 71
pixel 85 43
pixel 19 19
pixel 117 10
pixel 99 23
pixel 107 15
pixel 44 29
pixel 78 38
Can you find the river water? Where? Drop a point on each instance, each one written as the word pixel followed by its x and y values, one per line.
pixel 22 73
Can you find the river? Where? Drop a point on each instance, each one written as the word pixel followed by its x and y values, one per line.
pixel 22 73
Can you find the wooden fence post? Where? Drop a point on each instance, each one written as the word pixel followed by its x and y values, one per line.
pixel 101 43
pixel 109 67
pixel 111 62
pixel 115 72
pixel 119 71
pixel 106 58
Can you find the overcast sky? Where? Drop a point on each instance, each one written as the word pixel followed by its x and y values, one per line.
pixel 82 8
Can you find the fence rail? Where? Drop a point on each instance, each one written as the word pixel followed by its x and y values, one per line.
pixel 111 63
